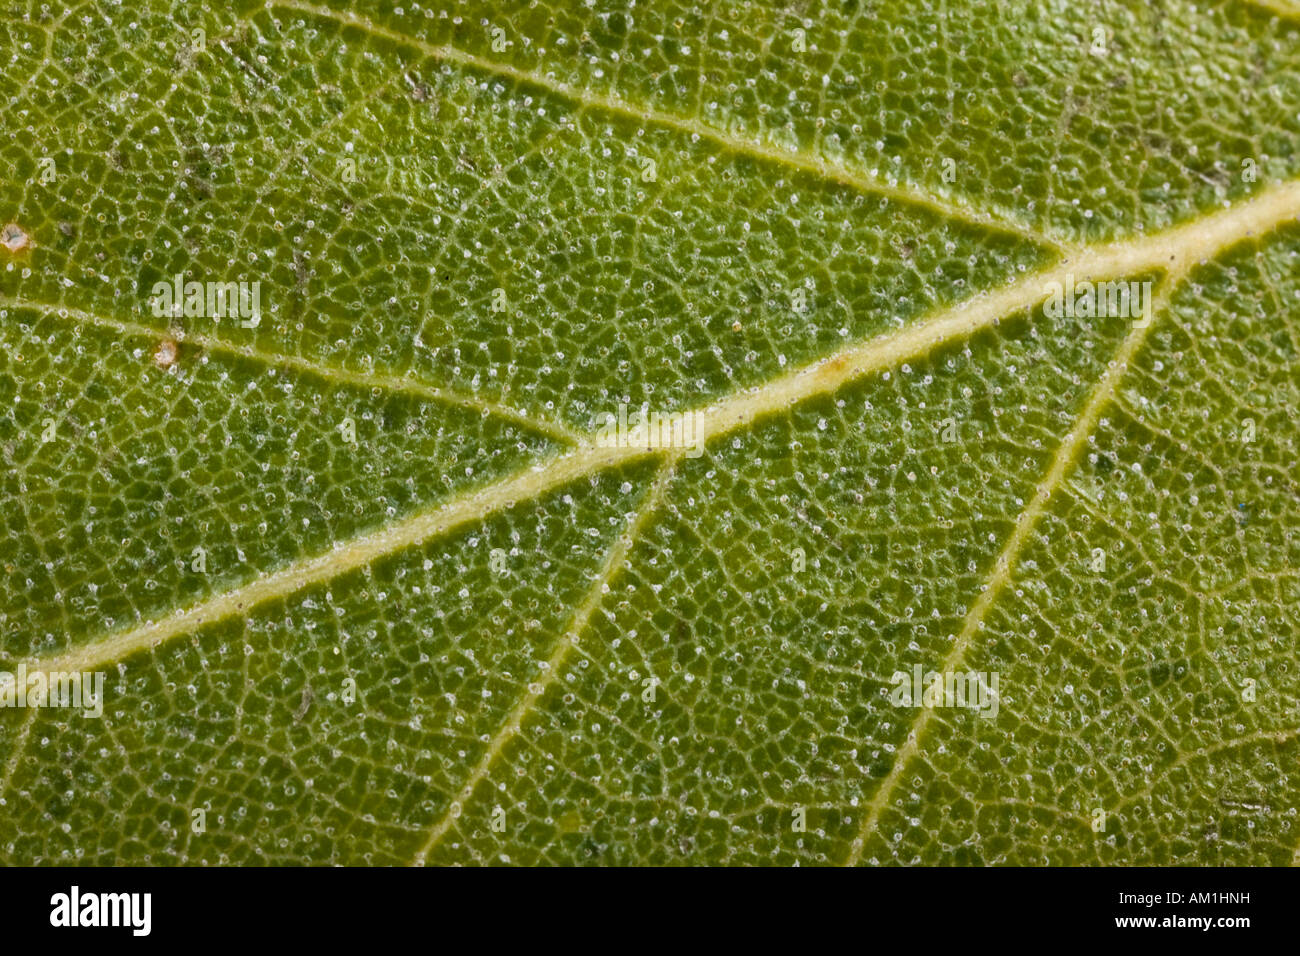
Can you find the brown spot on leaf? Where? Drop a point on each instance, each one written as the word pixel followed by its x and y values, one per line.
pixel 165 355
pixel 14 238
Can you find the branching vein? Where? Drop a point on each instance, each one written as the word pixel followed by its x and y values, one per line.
pixel 550 671
pixel 1066 455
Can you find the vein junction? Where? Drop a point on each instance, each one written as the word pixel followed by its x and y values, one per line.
pixel 614 562
pixel 1062 463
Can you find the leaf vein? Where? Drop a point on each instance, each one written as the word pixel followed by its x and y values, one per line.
pixel 610 103
pixel 329 373
pixel 524 707
pixel 1174 250
pixel 1057 473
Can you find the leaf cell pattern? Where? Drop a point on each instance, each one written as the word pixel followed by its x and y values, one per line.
pixel 368 589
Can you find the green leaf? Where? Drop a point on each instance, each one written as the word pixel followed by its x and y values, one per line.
pixel 366 583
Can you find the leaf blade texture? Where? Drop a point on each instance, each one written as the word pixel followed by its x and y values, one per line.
pixel 367 588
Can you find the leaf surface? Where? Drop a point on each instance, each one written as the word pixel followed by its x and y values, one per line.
pixel 365 584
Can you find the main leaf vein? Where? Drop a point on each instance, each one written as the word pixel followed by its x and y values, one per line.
pixel 1172 251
